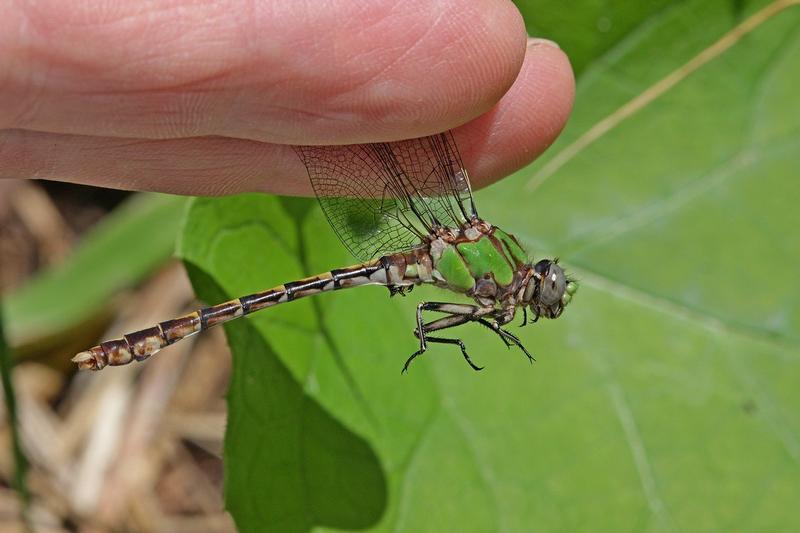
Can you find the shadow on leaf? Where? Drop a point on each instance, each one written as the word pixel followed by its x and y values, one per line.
pixel 289 465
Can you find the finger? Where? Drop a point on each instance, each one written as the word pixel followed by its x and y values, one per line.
pixel 525 121
pixel 274 71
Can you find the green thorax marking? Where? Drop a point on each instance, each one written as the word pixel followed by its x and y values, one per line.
pixel 512 247
pixel 484 257
pixel 454 270
pixel 497 254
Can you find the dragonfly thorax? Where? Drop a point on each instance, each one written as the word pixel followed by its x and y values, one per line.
pixel 490 265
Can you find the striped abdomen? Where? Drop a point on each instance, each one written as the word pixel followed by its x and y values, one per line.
pixel 140 345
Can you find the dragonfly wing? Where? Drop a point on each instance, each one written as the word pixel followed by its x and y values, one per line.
pixel 367 221
pixel 386 197
pixel 432 169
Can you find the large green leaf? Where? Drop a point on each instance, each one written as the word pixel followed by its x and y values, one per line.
pixel 666 396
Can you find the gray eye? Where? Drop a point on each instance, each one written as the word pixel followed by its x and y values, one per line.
pixel 553 285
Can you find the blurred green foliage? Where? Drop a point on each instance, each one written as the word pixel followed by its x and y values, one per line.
pixel 126 246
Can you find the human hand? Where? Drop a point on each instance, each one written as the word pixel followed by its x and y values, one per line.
pixel 204 98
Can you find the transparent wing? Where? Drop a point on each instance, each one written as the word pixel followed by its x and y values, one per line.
pixel 386 197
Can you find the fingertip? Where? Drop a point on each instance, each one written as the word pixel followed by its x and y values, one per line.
pixel 526 121
pixel 552 75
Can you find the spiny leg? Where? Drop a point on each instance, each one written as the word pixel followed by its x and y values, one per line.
pixel 444 307
pixel 460 344
pixel 505 316
pixel 507 336
pixel 422 334
pixel 459 314
pixel 402 290
pixel 489 325
pixel 501 317
pixel 452 309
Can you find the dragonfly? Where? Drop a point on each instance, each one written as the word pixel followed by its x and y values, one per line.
pixel 406 211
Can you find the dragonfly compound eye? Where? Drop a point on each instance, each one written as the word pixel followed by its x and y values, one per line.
pixel 552 285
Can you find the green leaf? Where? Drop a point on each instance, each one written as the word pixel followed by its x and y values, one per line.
pixel 289 463
pixel 125 247
pixel 665 397
pixel 586 30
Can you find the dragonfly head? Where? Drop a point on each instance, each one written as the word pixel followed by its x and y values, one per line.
pixel 549 289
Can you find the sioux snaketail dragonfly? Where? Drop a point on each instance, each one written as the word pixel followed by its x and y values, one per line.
pixel 406 210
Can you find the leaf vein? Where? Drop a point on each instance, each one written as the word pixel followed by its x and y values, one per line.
pixel 639 454
pixel 782 343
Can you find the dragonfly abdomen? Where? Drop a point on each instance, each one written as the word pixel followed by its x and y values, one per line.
pixel 141 344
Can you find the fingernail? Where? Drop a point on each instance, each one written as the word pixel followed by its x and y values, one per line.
pixel 537 41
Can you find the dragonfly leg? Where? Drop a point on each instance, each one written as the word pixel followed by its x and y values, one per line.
pixel 422 334
pixel 507 337
pixel 460 344
pixel 458 314
pixel 451 309
pixel 489 325
pixel 454 310
pixel 402 290
pixel 436 325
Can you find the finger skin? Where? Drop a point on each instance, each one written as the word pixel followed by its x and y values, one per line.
pixel 338 71
pixel 521 126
